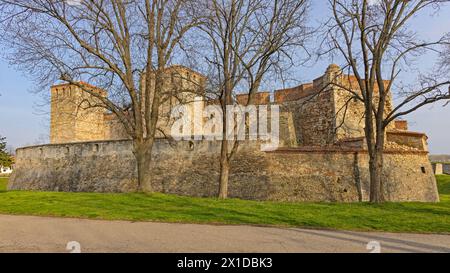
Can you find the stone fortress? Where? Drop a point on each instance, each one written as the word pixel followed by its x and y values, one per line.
pixel 74 117
pixel 322 154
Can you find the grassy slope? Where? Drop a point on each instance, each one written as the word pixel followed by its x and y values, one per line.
pixel 395 217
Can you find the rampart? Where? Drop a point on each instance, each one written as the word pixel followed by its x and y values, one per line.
pixel 191 168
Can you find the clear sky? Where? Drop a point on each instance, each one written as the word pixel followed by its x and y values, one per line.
pixel 24 122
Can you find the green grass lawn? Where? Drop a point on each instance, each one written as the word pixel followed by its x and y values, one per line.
pixel 394 217
pixel 3 183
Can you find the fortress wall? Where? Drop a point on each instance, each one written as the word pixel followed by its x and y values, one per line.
pixel 349 115
pixel 191 168
pixel 409 139
pixel 408 177
pixel 313 119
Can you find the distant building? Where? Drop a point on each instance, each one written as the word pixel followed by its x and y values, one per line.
pixel 441 168
pixel 440 158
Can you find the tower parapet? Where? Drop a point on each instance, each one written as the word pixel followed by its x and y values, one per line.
pixel 76 115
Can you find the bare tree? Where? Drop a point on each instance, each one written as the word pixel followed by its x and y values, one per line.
pixel 445 62
pixel 248 39
pixel 124 47
pixel 374 40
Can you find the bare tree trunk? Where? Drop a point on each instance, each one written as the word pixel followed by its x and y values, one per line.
pixel 351 32
pixel 375 178
pixel 142 152
pixel 224 158
pixel 376 169
pixel 248 40
pixel 224 170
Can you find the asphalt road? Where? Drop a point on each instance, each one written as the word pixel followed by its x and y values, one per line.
pixel 44 234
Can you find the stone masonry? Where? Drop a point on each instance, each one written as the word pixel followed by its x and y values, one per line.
pixel 74 115
pixel 75 118
pixel 192 169
pixel 323 155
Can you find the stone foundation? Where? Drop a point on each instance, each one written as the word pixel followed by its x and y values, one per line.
pixel 192 169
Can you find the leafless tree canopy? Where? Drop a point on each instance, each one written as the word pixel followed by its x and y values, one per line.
pixel 445 62
pixel 112 44
pixel 246 41
pixel 258 36
pixel 378 44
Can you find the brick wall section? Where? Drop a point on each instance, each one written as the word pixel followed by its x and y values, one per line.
pixel 295 93
pixel 260 98
pixel 401 125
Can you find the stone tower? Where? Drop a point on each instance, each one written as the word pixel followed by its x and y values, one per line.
pixel 75 114
pixel 349 112
pixel 181 86
pixel 325 113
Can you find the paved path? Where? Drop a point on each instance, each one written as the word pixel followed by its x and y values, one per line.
pixel 44 234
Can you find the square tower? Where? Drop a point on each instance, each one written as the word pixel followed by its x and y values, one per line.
pixel 182 86
pixel 349 112
pixel 324 112
pixel 76 115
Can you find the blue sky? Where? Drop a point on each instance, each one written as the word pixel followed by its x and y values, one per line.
pixel 22 121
